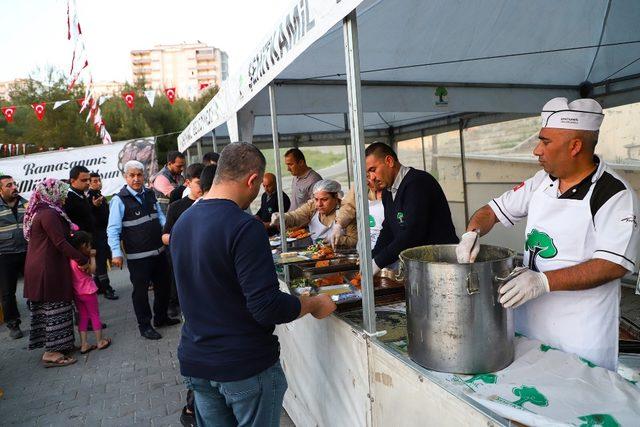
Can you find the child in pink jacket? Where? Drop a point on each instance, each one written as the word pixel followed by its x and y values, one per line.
pixel 86 294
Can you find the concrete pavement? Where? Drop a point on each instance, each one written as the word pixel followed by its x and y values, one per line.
pixel 133 382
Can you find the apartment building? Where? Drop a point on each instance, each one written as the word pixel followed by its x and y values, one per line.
pixel 108 88
pixel 184 66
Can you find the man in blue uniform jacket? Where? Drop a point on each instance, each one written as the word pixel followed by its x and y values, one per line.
pixel 416 211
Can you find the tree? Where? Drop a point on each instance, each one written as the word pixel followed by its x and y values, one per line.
pixel 539 244
pixel 485 378
pixel 64 127
pixel 598 420
pixel 529 394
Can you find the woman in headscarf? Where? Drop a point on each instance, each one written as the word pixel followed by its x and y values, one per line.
pixel 47 275
pixel 319 214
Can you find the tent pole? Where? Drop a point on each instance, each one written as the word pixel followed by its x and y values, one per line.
pixel 276 155
pixel 424 159
pixel 199 147
pixel 213 141
pixel 346 152
pixel 464 172
pixel 352 60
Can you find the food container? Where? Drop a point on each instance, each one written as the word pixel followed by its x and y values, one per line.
pixel 455 322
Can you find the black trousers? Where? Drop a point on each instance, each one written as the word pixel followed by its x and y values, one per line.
pixel 144 272
pixel 103 253
pixel 173 291
pixel 11 267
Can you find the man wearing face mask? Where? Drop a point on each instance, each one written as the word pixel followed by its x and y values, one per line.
pixel 581 237
pixel 13 249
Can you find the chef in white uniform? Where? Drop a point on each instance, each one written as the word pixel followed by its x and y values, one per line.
pixel 581 237
pixel 319 214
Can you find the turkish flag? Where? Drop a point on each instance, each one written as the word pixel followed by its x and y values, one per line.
pixel 129 98
pixel 204 86
pixel 39 109
pixel 171 94
pixel 9 112
pixel 80 101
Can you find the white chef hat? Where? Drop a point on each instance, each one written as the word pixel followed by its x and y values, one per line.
pixel 581 114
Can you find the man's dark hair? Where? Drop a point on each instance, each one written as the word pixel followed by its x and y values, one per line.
pixel 380 149
pixel 296 153
pixel 194 170
pixel 206 177
pixel 211 157
pixel 5 177
pixel 94 175
pixel 75 171
pixel 173 155
pixel 238 160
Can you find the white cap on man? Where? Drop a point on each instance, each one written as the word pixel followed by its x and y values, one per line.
pixel 581 114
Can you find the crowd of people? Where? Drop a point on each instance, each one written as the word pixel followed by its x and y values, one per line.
pixel 192 239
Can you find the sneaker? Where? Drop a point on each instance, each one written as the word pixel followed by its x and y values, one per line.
pixel 150 333
pixel 187 419
pixel 166 322
pixel 15 332
pixel 110 294
pixel 173 310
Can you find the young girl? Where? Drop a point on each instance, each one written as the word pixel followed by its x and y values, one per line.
pixel 85 294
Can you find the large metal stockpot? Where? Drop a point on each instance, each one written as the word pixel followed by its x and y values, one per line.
pixel 454 320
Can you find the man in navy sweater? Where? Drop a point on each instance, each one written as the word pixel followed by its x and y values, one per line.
pixel 230 299
pixel 416 211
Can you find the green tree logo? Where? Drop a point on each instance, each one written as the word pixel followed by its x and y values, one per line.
pixel 539 244
pixel 598 420
pixel 544 348
pixel 441 92
pixel 587 362
pixel 529 394
pixel 372 221
pixel 485 378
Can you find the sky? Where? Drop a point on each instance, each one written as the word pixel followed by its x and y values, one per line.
pixel 35 31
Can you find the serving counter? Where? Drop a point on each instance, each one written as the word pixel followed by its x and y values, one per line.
pixel 339 376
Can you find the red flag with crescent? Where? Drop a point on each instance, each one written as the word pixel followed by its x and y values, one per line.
pixel 203 86
pixel 171 94
pixel 38 108
pixel 129 97
pixel 8 113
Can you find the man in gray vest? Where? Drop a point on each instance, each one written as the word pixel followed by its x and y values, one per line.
pixel 169 177
pixel 136 219
pixel 13 249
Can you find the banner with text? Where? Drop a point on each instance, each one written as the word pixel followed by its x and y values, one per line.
pixel 107 160
pixel 304 23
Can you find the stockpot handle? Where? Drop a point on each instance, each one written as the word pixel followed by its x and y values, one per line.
pixel 401 269
pixel 514 273
pixel 473 283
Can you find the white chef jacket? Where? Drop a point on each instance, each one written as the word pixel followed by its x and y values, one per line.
pixel 598 218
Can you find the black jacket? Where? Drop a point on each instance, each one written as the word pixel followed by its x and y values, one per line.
pixel 418 216
pixel 78 209
pixel 100 213
pixel 267 207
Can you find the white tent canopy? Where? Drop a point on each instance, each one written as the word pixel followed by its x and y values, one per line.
pixel 492 56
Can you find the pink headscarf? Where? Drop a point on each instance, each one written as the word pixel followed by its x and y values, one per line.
pixel 49 193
